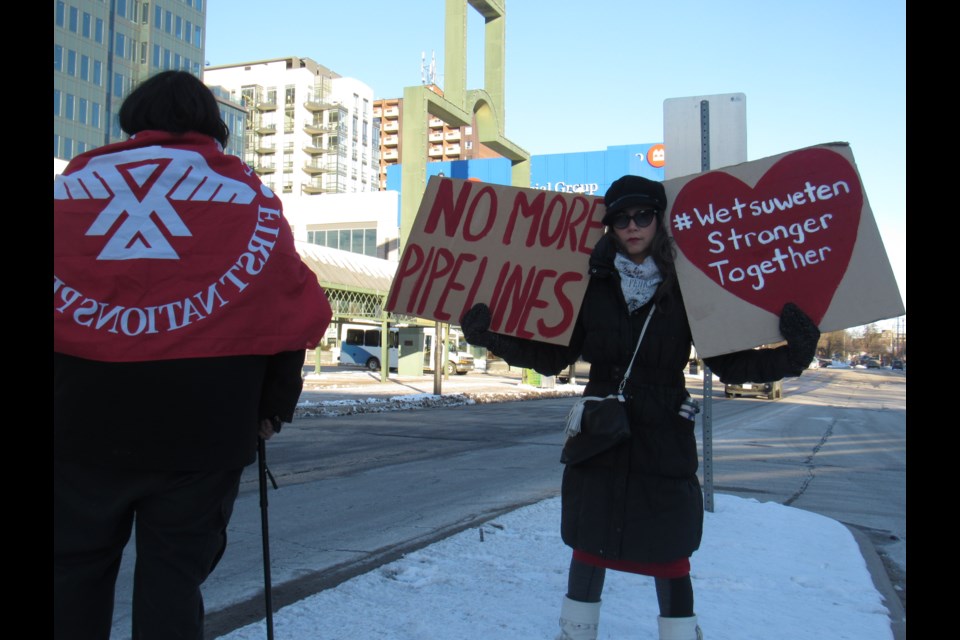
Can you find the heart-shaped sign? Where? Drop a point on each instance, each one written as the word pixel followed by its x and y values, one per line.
pixel 788 238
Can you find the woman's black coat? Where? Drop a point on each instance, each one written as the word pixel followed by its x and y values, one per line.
pixel 640 501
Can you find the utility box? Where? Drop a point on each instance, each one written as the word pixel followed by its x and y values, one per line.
pixel 410 357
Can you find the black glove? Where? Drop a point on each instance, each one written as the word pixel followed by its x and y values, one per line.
pixel 476 330
pixel 801 335
pixel 476 325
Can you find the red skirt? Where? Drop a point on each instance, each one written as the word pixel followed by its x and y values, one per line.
pixel 674 569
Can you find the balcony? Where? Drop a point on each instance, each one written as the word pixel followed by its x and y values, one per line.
pixel 390 141
pixel 316 168
pixel 390 127
pixel 435 123
pixel 313 128
pixel 315 186
pixel 452 150
pixel 391 112
pixel 264 170
pixel 265 129
pixel 391 154
pixel 435 136
pixel 267 106
pixel 452 136
pixel 436 151
pixel 264 148
pixel 377 111
pixel 315 150
pixel 317 104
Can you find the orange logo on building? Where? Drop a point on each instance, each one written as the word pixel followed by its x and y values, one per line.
pixel 656 156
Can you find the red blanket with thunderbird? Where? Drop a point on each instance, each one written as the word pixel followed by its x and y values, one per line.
pixel 165 247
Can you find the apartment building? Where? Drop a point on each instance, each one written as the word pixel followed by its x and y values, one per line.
pixel 102 49
pixel 309 131
pixel 444 142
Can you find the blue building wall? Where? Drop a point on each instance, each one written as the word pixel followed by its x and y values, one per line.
pixel 589 172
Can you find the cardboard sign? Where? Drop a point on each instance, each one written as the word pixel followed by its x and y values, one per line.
pixel 795 227
pixel 523 252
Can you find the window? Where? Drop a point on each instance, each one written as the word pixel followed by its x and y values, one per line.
pixel 120 46
pixel 84 67
pixel 188 31
pixel 68 148
pixel 57 99
pixel 98 31
pixel 57 58
pixel 74 19
pixel 68 107
pixel 71 62
pixel 156 55
pixel 291 96
pixel 157 16
pixel 117 85
pixel 197 36
pixel 167 21
pixel 178 28
pixel 98 73
pixel 95 114
pixel 122 8
pixel 56 146
pixel 82 111
pixel 87 29
pixel 58 13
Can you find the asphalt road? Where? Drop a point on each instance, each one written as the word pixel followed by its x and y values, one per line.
pixel 360 490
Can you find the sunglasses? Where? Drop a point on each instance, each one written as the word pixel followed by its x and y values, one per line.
pixel 641 218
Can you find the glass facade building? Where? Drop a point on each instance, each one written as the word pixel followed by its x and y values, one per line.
pixel 102 48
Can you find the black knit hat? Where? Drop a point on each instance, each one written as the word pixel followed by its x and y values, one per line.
pixel 629 191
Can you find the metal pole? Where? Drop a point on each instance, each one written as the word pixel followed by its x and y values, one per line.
pixel 267 590
pixel 707 374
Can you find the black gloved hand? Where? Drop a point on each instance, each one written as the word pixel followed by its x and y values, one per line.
pixel 476 330
pixel 801 335
pixel 476 325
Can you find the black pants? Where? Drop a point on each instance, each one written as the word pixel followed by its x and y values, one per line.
pixel 181 521
pixel 674 595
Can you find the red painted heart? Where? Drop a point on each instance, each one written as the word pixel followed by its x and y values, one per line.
pixel 787 239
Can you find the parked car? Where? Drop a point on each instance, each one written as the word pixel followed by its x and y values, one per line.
pixel 769 390
pixel 872 363
pixel 897 364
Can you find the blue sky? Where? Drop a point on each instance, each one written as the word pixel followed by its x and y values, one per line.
pixel 584 76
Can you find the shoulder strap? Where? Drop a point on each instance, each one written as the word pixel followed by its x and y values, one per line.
pixel 626 375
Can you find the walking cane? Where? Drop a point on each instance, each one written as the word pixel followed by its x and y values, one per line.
pixel 262 457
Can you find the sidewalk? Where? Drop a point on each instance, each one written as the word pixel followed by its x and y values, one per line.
pixel 341 391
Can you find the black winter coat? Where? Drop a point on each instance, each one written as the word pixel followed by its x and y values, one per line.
pixel 640 501
pixel 192 414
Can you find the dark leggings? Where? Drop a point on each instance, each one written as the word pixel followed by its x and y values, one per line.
pixel 674 595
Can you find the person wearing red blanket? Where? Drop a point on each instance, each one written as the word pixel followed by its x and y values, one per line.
pixel 182 313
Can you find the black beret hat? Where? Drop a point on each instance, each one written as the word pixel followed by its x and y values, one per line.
pixel 630 191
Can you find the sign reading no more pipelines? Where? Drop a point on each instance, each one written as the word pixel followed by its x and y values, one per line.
pixel 524 252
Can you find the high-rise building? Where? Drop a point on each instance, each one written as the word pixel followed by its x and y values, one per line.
pixel 310 131
pixel 444 142
pixel 102 49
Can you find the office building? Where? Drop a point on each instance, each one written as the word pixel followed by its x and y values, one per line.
pixel 102 49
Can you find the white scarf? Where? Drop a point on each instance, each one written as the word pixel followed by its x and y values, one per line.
pixel 638 281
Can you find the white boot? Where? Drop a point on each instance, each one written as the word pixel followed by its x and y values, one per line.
pixel 679 628
pixel 579 620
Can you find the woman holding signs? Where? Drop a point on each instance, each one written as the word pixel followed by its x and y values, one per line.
pixel 638 506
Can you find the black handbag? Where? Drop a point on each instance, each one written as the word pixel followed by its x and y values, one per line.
pixel 596 424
